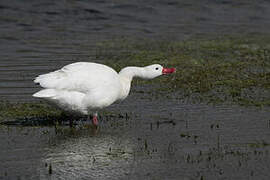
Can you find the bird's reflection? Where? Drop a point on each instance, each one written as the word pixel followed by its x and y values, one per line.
pixel 87 152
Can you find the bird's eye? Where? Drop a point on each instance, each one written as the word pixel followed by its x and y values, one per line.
pixel 157 68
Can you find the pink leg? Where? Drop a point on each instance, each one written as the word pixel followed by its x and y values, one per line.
pixel 95 119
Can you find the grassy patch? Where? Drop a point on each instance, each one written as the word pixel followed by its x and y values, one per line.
pixel 225 69
pixel 212 70
pixel 45 113
pixel 24 110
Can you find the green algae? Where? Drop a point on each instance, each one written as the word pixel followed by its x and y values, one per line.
pixel 23 110
pixel 32 113
pixel 228 69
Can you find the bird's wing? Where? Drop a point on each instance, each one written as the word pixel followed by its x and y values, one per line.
pixel 81 77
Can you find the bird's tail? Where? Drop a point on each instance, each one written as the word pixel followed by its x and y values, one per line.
pixel 45 93
pixel 67 100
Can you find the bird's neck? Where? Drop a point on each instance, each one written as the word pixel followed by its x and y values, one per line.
pixel 126 76
pixel 130 72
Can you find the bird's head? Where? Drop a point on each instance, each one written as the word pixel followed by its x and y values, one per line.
pixel 156 70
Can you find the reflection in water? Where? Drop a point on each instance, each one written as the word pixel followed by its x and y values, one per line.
pixel 84 153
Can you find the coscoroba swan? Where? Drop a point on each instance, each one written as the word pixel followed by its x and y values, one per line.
pixel 85 87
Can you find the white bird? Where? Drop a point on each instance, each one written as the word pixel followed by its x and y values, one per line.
pixel 86 87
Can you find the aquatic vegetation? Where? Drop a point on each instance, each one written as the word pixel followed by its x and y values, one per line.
pixel 23 110
pixel 228 69
pixel 258 144
pixel 40 114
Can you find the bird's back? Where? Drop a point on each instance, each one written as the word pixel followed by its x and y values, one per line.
pixel 95 85
pixel 80 76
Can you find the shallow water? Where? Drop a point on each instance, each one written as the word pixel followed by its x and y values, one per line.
pixel 161 140
pixel 40 36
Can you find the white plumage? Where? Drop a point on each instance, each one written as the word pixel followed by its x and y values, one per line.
pixel 84 87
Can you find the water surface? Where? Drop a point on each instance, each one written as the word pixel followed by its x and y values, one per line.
pixel 161 139
pixel 39 36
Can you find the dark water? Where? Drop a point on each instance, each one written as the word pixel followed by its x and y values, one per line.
pixel 203 142
pixel 164 138
pixel 37 36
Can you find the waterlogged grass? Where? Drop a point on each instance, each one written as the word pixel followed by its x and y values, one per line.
pixel 45 112
pixel 11 111
pixel 219 70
